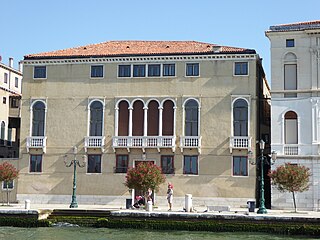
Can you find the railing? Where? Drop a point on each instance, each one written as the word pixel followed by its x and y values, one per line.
pixel 37 142
pixel 291 149
pixel 143 142
pixel 94 142
pixel 190 141
pixel 239 142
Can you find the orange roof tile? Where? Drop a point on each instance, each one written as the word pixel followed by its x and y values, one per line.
pixel 134 48
pixel 296 26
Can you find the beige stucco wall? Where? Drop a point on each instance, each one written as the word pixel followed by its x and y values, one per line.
pixel 66 92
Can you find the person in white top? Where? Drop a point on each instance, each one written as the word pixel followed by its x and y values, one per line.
pixel 170 195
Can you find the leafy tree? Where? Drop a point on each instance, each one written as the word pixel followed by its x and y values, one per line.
pixel 292 178
pixel 144 176
pixel 8 173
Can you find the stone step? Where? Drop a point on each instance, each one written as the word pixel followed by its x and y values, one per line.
pixel 79 212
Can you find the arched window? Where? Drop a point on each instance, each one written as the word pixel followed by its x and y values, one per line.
pixel 123 122
pixel 38 118
pixel 240 118
pixel 191 118
pixel 168 118
pixel 153 118
pixel 96 118
pixel 137 119
pixel 3 128
pixel 290 74
pixel 291 128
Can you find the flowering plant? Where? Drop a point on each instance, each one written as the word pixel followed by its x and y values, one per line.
pixel 292 178
pixel 8 173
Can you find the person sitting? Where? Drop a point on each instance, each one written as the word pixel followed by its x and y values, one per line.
pixel 139 201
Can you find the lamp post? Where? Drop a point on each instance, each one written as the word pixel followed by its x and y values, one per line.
pixel 75 163
pixel 262 159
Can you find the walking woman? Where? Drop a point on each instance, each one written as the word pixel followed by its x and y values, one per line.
pixel 170 195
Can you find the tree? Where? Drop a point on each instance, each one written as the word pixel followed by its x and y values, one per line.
pixel 292 178
pixel 144 176
pixel 8 173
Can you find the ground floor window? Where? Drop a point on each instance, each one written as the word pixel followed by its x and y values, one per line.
pixel 121 163
pixel 35 163
pixel 9 186
pixel 167 164
pixel 240 166
pixel 190 165
pixel 94 163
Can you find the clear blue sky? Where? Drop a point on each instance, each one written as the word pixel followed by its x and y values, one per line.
pixel 35 26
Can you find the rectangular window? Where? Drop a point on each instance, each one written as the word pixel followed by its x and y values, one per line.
pixel 192 69
pixel 169 70
pixel 94 164
pixel 7 185
pixel 35 163
pixel 240 68
pixel 190 165
pixel 5 79
pixel 290 43
pixel 240 166
pixel 167 164
pixel 40 72
pixel 154 70
pixel 290 79
pixel 16 82
pixel 139 70
pixel 124 71
pixel 4 100
pixel 97 71
pixel 14 102
pixel 122 163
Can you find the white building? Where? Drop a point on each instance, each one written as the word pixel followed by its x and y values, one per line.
pixel 295 115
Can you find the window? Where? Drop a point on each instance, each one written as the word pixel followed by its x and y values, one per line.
pixel 16 82
pixel 139 70
pixel 124 71
pixel 192 69
pixel 2 131
pixel 241 68
pixel 14 102
pixel 38 119
pixel 97 71
pixel 5 78
pixel 190 165
pixel 169 70
pixel 94 164
pixel 240 118
pixel 240 166
pixel 289 42
pixel 121 163
pixel 40 72
pixel 191 118
pixel 153 70
pixel 96 118
pixel 291 128
pixel 167 164
pixel 4 100
pixel 290 79
pixel 35 163
pixel 7 185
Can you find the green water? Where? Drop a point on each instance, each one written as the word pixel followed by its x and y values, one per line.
pixel 62 233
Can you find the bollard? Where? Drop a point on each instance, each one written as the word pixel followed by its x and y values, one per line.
pixel 27 204
pixel 149 206
pixel 188 202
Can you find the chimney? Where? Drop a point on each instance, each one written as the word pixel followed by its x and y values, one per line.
pixel 11 62
pixel 20 67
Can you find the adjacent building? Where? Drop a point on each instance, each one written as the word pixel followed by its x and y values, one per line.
pixel 193 108
pixel 10 97
pixel 295 53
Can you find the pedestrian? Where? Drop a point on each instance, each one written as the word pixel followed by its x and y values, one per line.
pixel 170 195
pixel 149 195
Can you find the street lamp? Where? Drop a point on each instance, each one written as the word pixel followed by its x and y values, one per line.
pixel 262 159
pixel 75 163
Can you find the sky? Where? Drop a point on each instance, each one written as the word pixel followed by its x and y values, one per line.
pixel 36 26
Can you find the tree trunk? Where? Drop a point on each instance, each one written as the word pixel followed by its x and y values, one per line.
pixel 7 187
pixel 294 202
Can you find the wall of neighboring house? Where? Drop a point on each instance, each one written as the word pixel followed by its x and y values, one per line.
pixel 66 92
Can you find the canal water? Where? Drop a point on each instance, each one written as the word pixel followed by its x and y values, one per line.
pixel 74 233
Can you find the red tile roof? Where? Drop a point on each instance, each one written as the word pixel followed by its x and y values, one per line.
pixel 298 26
pixel 139 48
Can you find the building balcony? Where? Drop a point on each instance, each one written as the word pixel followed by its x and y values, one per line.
pixel 94 142
pixel 291 149
pixel 144 142
pixel 240 142
pixel 37 142
pixel 190 142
